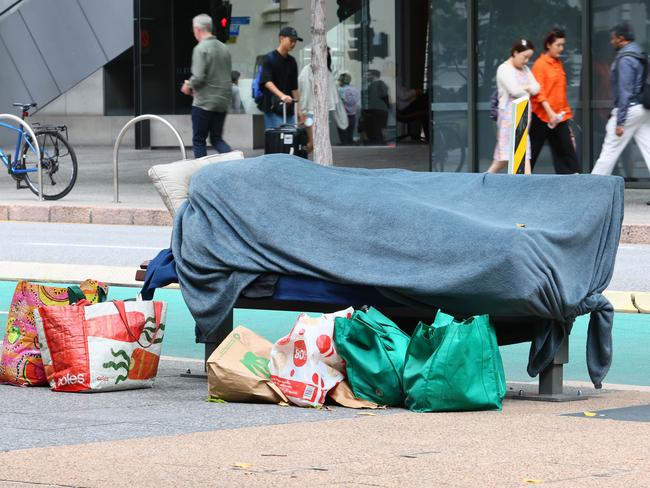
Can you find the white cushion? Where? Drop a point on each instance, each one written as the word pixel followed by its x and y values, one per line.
pixel 172 180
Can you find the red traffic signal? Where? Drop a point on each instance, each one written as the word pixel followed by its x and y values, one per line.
pixel 221 13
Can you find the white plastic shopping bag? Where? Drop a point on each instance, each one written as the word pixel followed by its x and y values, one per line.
pixel 304 364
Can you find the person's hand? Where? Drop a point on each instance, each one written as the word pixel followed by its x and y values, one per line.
pixel 186 89
pixel 286 99
pixel 301 118
pixel 619 130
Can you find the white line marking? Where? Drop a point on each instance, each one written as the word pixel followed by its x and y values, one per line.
pixel 100 246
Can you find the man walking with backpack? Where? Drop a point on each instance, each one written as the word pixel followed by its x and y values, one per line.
pixel 279 81
pixel 629 118
pixel 210 85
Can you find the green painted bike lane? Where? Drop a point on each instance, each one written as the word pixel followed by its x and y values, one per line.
pixel 630 365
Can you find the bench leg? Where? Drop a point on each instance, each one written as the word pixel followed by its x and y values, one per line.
pixel 211 344
pixel 551 380
pixel 217 337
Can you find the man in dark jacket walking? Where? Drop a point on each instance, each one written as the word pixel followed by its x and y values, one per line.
pixel 629 119
pixel 210 85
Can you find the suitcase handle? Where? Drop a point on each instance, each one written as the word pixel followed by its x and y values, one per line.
pixel 284 110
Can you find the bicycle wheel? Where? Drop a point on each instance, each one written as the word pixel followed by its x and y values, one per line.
pixel 59 165
pixel 451 153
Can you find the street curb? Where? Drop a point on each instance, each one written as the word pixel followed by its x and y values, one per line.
pixel 635 234
pixel 116 214
pixel 70 214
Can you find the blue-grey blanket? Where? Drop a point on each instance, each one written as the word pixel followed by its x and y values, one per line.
pixel 514 246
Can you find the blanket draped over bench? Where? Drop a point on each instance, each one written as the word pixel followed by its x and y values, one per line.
pixel 538 246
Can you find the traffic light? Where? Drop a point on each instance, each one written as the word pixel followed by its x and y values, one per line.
pixel 354 43
pixel 221 14
pixel 347 8
pixel 359 36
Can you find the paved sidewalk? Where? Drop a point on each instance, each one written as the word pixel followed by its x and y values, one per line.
pixel 91 200
pixel 169 436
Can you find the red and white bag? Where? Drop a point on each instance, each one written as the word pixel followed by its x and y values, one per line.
pixel 304 364
pixel 109 346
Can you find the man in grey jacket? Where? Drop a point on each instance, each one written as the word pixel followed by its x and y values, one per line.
pixel 210 85
pixel 629 118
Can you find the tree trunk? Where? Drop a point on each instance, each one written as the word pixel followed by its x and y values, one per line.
pixel 320 75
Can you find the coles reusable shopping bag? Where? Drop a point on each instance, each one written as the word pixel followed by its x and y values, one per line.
pixel 21 362
pixel 454 365
pixel 304 363
pixel 109 346
pixel 373 349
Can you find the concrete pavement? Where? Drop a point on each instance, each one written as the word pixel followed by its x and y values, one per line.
pixel 170 436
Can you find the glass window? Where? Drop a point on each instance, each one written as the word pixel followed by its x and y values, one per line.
pixel 499 25
pixel 605 15
pixel 449 86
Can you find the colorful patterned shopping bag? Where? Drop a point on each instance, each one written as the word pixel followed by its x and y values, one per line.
pixel 108 346
pixel 21 362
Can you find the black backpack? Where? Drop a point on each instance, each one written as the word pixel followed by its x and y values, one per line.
pixel 643 59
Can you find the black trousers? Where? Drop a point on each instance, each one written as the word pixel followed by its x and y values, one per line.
pixel 565 159
pixel 347 135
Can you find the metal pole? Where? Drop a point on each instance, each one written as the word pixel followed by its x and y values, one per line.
pixel 29 130
pixel 119 140
pixel 586 92
pixel 472 78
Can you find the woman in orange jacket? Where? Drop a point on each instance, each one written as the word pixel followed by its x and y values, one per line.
pixel 551 111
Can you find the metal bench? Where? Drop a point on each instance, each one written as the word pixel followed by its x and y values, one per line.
pixel 551 379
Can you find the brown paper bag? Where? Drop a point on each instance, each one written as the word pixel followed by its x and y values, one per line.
pixel 342 394
pixel 238 370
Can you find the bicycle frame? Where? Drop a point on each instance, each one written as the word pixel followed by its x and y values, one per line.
pixel 37 150
pixel 11 165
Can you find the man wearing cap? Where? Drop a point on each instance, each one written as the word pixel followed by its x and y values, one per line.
pixel 279 80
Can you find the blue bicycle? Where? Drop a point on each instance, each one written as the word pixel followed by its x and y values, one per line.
pixel 58 159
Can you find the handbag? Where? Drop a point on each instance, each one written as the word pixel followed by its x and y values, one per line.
pixel 21 362
pixel 373 349
pixel 108 346
pixel 454 365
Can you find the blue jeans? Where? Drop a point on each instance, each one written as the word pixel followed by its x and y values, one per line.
pixel 273 120
pixel 206 122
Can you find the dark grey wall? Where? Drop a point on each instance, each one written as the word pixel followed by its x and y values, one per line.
pixel 47 47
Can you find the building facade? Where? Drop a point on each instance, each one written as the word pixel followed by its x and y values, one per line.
pixel 427 65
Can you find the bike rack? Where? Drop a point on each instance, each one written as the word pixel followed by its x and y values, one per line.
pixel 38 149
pixel 134 120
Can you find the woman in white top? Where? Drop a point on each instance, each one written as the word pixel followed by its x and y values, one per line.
pixel 514 80
pixel 334 102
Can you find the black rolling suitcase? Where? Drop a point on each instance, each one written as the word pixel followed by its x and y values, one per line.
pixel 287 138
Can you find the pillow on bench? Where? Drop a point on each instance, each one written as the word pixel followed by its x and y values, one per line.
pixel 172 180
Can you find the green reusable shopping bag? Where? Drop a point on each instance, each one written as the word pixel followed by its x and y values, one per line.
pixel 454 365
pixel 373 348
